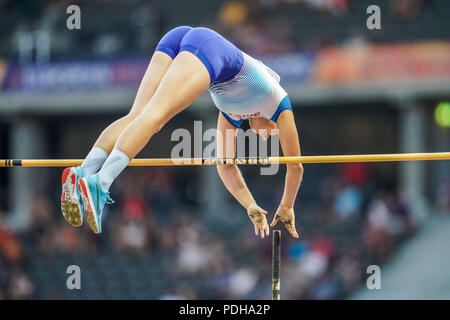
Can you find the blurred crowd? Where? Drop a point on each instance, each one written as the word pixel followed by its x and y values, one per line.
pixel 351 224
pixel 275 26
pixel 259 27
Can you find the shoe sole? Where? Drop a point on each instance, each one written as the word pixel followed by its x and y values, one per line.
pixel 70 207
pixel 89 208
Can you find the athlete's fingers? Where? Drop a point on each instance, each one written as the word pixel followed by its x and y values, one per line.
pixel 261 231
pixel 267 230
pixel 291 228
pixel 275 220
pixel 256 229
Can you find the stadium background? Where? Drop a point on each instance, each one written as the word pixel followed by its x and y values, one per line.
pixel 175 232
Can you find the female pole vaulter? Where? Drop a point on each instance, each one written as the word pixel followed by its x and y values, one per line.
pixel 186 62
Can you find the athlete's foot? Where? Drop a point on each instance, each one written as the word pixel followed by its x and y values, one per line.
pixel 71 204
pixel 94 199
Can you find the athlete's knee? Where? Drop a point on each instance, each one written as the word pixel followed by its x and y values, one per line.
pixel 132 115
pixel 159 123
pixel 154 121
pixel 129 117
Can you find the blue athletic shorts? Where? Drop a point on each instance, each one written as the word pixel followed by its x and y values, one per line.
pixel 222 59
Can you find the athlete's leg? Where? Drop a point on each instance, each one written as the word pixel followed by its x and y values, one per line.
pixel 155 71
pixel 167 49
pixel 71 205
pixel 157 67
pixel 165 52
pixel 185 80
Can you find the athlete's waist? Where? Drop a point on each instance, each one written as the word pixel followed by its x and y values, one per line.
pixel 261 109
pixel 244 116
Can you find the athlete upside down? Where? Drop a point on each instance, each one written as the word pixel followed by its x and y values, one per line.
pixel 186 62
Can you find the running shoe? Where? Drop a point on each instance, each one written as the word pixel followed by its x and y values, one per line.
pixel 71 204
pixel 94 200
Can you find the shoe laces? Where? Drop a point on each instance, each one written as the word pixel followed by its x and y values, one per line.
pixel 109 200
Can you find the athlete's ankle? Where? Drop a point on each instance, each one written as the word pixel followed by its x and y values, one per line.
pixel 113 166
pixel 94 161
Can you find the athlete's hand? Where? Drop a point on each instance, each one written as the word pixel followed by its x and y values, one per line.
pixel 258 216
pixel 287 216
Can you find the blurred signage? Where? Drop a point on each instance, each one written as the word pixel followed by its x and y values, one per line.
pixel 401 63
pixel 83 76
pixel 129 72
pixel 64 76
pixel 383 63
pixel 292 67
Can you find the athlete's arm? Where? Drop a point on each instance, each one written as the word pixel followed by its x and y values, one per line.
pixel 291 147
pixel 232 177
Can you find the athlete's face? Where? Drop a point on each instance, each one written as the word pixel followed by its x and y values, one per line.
pixel 264 127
